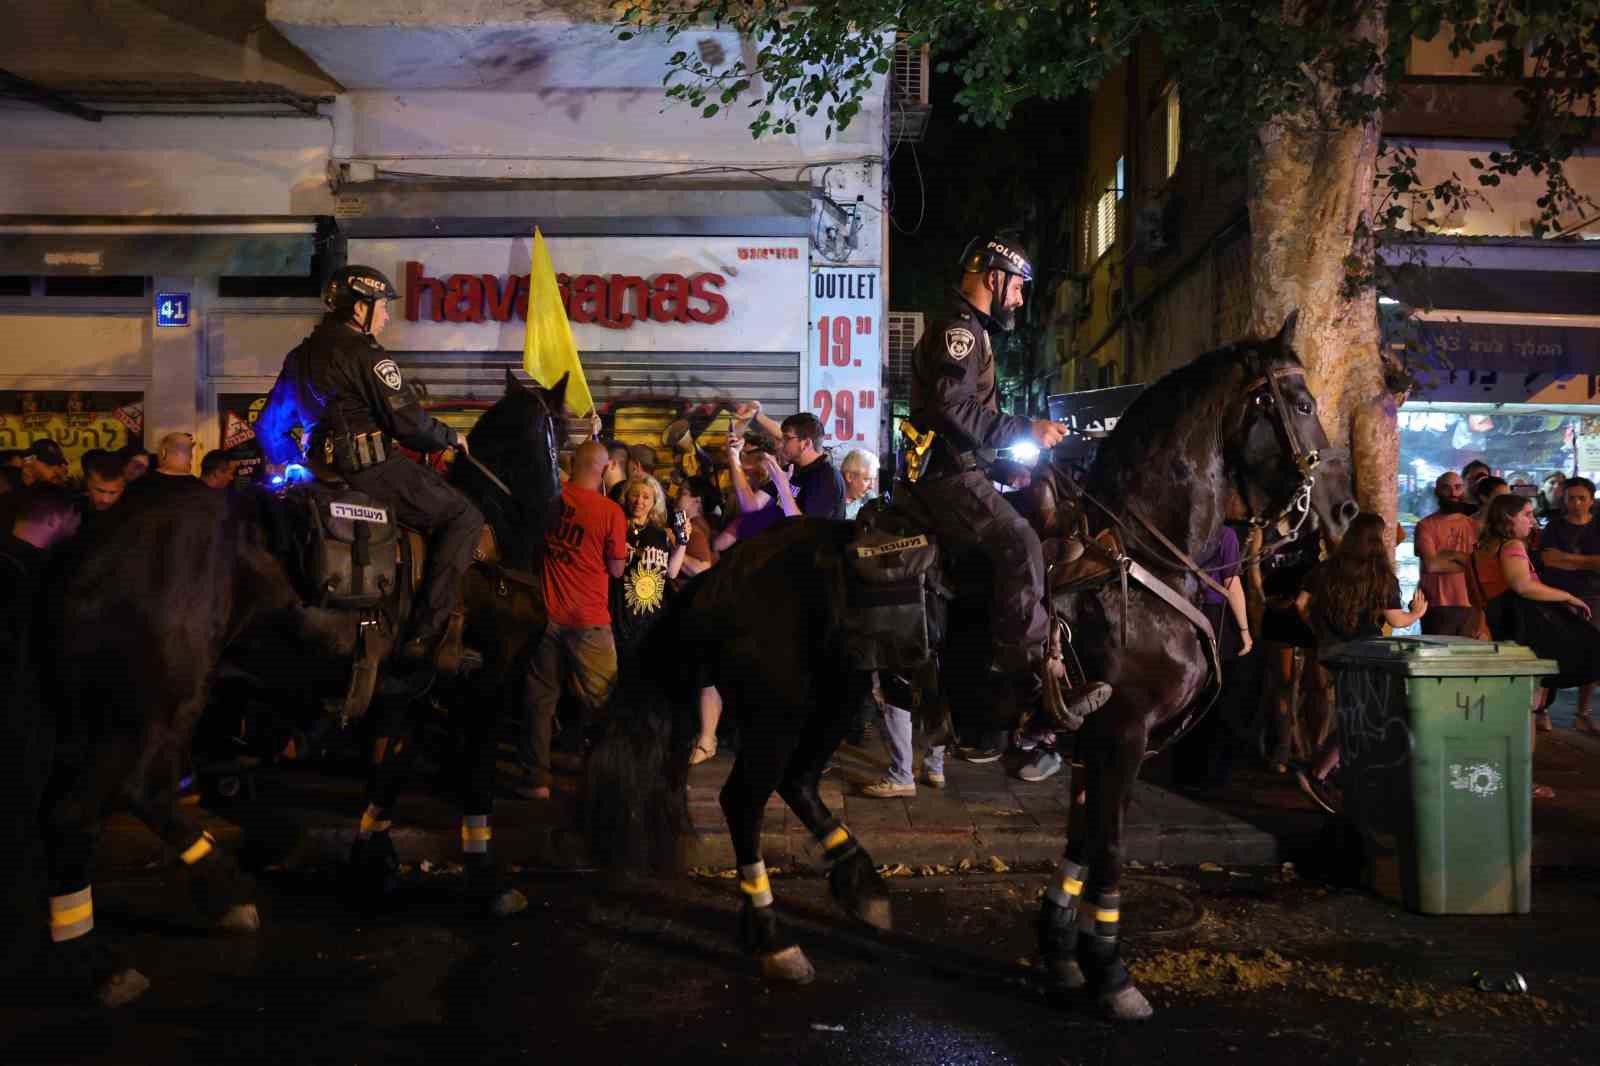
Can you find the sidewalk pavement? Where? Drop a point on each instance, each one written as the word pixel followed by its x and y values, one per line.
pixel 305 816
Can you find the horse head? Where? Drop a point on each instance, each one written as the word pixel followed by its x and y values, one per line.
pixel 1277 453
pixel 519 439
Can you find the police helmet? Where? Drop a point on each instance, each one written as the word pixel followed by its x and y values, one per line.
pixel 354 285
pixel 996 253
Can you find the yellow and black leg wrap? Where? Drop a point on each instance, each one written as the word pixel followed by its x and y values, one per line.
pixel 71 915
pixel 202 846
pixel 1098 921
pixel 475 834
pixel 754 884
pixel 1058 926
pixel 374 819
pixel 837 843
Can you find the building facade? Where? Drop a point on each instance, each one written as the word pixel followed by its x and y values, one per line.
pixel 163 236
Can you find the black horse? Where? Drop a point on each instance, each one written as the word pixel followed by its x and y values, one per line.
pixel 181 579
pixel 764 625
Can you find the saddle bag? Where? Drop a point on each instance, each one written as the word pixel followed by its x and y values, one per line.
pixel 348 552
pixel 887 579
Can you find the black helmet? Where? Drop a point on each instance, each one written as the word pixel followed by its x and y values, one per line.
pixel 995 253
pixel 354 285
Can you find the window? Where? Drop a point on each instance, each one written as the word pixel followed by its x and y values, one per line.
pixel 107 285
pixel 266 287
pixel 1100 220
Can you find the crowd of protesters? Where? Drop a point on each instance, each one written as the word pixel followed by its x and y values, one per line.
pixel 639 522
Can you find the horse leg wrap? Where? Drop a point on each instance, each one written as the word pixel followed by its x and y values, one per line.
pixel 759 931
pixel 217 887
pixel 837 843
pixel 71 915
pixel 1097 951
pixel 853 880
pixel 1058 926
pixel 754 884
pixel 373 876
pixel 374 819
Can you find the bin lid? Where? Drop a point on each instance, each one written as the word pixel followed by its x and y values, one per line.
pixel 1441 657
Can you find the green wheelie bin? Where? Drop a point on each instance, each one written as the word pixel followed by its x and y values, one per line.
pixel 1436 768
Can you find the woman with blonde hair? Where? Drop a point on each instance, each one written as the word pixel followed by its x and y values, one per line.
pixel 655 555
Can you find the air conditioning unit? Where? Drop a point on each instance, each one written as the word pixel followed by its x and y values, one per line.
pixel 908 91
pixel 905 329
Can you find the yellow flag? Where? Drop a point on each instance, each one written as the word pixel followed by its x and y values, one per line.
pixel 548 350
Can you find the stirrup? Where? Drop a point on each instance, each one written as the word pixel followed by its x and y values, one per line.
pixel 1068 707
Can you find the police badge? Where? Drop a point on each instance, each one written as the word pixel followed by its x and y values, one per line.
pixel 959 342
pixel 388 373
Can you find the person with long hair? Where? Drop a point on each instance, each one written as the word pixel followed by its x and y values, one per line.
pixel 1520 607
pixel 1349 596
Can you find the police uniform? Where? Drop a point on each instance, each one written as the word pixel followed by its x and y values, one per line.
pixel 953 393
pixel 341 386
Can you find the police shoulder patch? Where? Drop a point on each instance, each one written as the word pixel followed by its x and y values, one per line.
pixel 959 342
pixel 388 373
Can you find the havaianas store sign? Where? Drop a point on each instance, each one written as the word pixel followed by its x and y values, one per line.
pixel 620 293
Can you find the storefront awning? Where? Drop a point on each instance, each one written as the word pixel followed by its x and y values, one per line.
pixel 267 250
pixel 1551 292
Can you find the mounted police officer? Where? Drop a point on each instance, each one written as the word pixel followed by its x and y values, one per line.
pixel 953 394
pixel 353 405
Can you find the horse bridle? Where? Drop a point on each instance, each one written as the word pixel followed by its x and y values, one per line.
pixel 1267 389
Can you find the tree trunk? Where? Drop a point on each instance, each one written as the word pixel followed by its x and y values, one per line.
pixel 1311 198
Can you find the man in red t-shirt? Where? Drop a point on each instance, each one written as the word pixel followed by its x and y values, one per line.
pixel 586 549
pixel 1444 542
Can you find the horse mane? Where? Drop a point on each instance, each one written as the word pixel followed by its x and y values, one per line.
pixel 1197 395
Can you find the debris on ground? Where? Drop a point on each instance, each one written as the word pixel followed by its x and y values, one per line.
pixel 1203 972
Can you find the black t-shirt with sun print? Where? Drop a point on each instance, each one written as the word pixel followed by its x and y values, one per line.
pixel 638 596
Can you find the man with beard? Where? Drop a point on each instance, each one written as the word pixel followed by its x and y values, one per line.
pixel 1445 541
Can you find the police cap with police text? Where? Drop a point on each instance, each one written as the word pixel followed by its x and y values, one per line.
pixel 996 253
pixel 352 284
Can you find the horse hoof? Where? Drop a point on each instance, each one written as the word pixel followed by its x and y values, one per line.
pixel 241 918
pixel 507 903
pixel 875 912
pixel 1126 1005
pixel 790 965
pixel 122 988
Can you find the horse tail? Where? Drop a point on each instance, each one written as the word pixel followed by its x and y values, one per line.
pixel 634 808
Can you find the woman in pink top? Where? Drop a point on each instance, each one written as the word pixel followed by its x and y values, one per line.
pixel 1520 607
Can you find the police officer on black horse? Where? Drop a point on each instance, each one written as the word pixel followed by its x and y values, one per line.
pixel 353 405
pixel 953 395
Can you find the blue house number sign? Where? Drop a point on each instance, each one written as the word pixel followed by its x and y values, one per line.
pixel 172 309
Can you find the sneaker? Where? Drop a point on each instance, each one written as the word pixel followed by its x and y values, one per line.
pixel 932 780
pixel 887 789
pixel 978 755
pixel 1043 765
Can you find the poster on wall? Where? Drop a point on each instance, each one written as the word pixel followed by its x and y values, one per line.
pixel 845 353
pixel 1588 444
pixel 75 431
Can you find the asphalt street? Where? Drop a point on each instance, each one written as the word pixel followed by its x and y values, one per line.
pixel 1249 965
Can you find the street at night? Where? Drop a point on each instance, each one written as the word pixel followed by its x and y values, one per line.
pixel 1243 965
pixel 880 532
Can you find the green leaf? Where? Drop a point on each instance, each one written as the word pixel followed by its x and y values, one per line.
pixel 711 109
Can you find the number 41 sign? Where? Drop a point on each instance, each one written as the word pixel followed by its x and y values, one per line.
pixel 172 309
pixel 846 354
